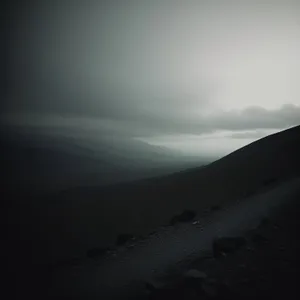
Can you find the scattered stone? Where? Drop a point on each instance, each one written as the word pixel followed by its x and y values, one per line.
pixel 193 273
pixel 152 233
pixel 123 239
pixel 227 244
pixel 112 252
pixel 185 216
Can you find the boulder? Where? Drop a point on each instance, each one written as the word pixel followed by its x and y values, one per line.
pixel 196 274
pixel 185 216
pixel 152 233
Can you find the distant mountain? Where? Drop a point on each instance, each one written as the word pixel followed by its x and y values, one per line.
pixel 35 162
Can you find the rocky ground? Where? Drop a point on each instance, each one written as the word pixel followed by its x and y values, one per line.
pixel 261 265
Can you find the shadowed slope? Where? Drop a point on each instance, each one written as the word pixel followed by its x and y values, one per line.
pixel 87 217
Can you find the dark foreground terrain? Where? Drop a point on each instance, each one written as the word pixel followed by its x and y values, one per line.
pixel 73 222
pixel 72 227
pixel 260 263
pixel 267 266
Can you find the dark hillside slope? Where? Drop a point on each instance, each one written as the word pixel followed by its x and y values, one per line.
pixel 82 218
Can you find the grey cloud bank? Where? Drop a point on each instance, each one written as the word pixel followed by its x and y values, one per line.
pixel 149 69
pixel 143 124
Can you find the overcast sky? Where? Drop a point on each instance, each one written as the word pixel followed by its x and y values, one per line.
pixel 190 75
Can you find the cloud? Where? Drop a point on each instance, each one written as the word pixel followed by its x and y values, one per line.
pixel 255 117
pixel 150 69
pixel 147 124
pixel 254 134
pixel 250 118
